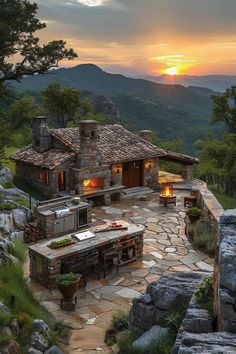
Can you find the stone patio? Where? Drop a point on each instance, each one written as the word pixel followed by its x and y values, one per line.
pixel 166 249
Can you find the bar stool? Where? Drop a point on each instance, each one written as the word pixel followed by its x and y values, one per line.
pixel 91 260
pixel 108 255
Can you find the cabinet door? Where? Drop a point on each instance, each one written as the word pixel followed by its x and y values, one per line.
pixel 58 227
pixel 82 217
pixel 69 223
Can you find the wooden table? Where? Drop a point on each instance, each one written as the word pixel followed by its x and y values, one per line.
pixel 45 262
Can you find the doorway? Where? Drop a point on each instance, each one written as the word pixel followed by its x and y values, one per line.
pixel 132 174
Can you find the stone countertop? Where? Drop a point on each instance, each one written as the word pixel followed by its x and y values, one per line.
pixel 99 240
pixel 70 206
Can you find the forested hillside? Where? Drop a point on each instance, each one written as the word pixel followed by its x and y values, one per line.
pixel 173 111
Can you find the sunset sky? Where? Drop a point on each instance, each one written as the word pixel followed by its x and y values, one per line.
pixel 196 37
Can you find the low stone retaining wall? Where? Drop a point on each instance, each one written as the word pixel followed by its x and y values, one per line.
pixel 210 206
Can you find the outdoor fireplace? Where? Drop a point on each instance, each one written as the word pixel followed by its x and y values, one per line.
pixel 167 195
pixel 92 184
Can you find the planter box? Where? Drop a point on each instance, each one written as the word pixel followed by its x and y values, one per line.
pixel 61 245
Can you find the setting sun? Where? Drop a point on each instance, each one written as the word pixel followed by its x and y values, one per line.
pixel 172 71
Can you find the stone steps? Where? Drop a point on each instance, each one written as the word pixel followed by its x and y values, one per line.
pixel 137 191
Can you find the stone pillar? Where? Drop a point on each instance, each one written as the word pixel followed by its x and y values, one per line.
pixel 151 173
pixel 42 140
pixel 89 154
pixel 116 173
pixel 146 135
pixel 225 273
pixel 187 171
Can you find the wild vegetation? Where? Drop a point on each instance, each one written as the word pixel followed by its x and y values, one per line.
pixel 204 237
pixel 120 335
pixel 15 294
pixel 21 54
pixel 205 294
pixel 218 157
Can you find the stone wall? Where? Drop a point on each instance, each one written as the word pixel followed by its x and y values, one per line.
pixel 225 273
pixel 210 206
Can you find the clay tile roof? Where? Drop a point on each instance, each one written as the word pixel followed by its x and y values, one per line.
pixel 115 143
pixel 177 157
pixel 48 159
pixel 118 144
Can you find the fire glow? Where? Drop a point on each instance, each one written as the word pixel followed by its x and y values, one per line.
pixel 93 183
pixel 167 191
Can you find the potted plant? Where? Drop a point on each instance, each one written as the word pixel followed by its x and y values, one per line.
pixel 67 285
pixel 194 214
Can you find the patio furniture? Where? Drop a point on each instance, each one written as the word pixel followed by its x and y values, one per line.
pixel 191 199
pixel 79 257
pixel 92 261
pixel 107 256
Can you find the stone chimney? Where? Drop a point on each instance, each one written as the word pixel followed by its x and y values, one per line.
pixel 42 140
pixel 89 154
pixel 146 135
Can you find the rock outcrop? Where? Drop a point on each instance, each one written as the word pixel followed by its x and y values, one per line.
pixel 5 176
pixel 226 273
pixel 160 297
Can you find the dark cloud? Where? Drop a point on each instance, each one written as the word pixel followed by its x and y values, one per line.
pixel 139 21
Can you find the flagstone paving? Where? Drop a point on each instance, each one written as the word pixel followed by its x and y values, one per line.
pixel 166 249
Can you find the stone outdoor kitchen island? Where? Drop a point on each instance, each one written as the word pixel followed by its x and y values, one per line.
pixel 45 262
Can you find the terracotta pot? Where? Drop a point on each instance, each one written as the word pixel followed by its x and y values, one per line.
pixel 68 291
pixel 193 218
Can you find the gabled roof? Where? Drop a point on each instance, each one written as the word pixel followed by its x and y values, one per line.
pixel 48 159
pixel 116 144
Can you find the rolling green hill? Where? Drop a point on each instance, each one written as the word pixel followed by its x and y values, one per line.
pixel 173 111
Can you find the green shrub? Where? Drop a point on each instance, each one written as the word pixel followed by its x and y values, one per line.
pixel 5 338
pixel 204 238
pixel 125 343
pixel 7 205
pixel 66 279
pixel 120 320
pixel 194 212
pixel 22 201
pixel 163 346
pixel 19 251
pixel 5 319
pixel 204 294
pixel 7 184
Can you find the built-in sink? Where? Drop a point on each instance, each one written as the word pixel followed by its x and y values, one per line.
pixel 61 211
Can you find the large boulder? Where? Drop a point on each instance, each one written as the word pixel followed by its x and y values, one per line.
pixel 39 325
pixel 4 308
pixel 5 256
pixel 6 222
pixel 53 350
pixel 161 296
pixel 197 320
pixel 210 343
pixel 11 347
pixel 38 341
pixel 225 301
pixel 20 217
pixel 150 337
pixel 5 175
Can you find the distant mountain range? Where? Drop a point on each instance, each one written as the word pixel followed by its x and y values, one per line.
pixel 174 111
pixel 217 83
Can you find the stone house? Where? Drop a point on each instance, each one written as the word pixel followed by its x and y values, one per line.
pixel 90 158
